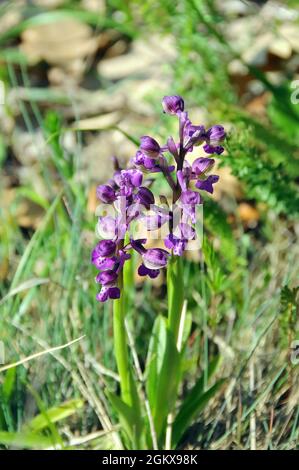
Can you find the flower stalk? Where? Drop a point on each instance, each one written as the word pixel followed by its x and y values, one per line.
pixel 129 193
pixel 175 294
pixel 120 345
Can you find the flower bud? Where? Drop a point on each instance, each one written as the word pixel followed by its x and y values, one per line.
pixel 106 193
pixel 103 295
pixel 173 104
pixel 171 145
pixel 135 177
pixel 201 165
pixel 215 135
pixel 210 149
pixel 149 146
pixel 108 293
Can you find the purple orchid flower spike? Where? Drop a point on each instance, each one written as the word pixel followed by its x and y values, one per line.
pixel 129 193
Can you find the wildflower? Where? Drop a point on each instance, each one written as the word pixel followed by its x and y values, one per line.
pixel 131 195
pixel 214 137
pixel 207 185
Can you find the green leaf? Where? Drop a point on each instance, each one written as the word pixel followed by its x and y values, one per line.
pixel 155 355
pixel 127 417
pixel 25 440
pixel 54 414
pixel 163 373
pixel 189 413
pixel 34 197
pixel 195 401
pixel 8 384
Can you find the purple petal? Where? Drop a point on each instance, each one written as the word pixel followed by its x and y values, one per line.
pixel 172 147
pixel 149 146
pixel 173 104
pixel 114 293
pixel 103 295
pixel 135 177
pixel 210 149
pixel 201 165
pixel 105 248
pixel 176 244
pixel 187 232
pixel 144 271
pixel 103 263
pixel 191 198
pixel 182 180
pixel 207 185
pixel 215 135
pixel 106 278
pixel 155 258
pixel 145 197
pixel 107 226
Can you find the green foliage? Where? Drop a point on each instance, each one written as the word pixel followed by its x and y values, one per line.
pixel 130 423
pixel 192 407
pixel 54 414
pixel 163 374
pixel 267 181
pixel 289 314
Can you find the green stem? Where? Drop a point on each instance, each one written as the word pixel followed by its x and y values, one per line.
pixel 175 291
pixel 128 386
pixel 120 345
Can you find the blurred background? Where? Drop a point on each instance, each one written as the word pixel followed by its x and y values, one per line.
pixel 80 81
